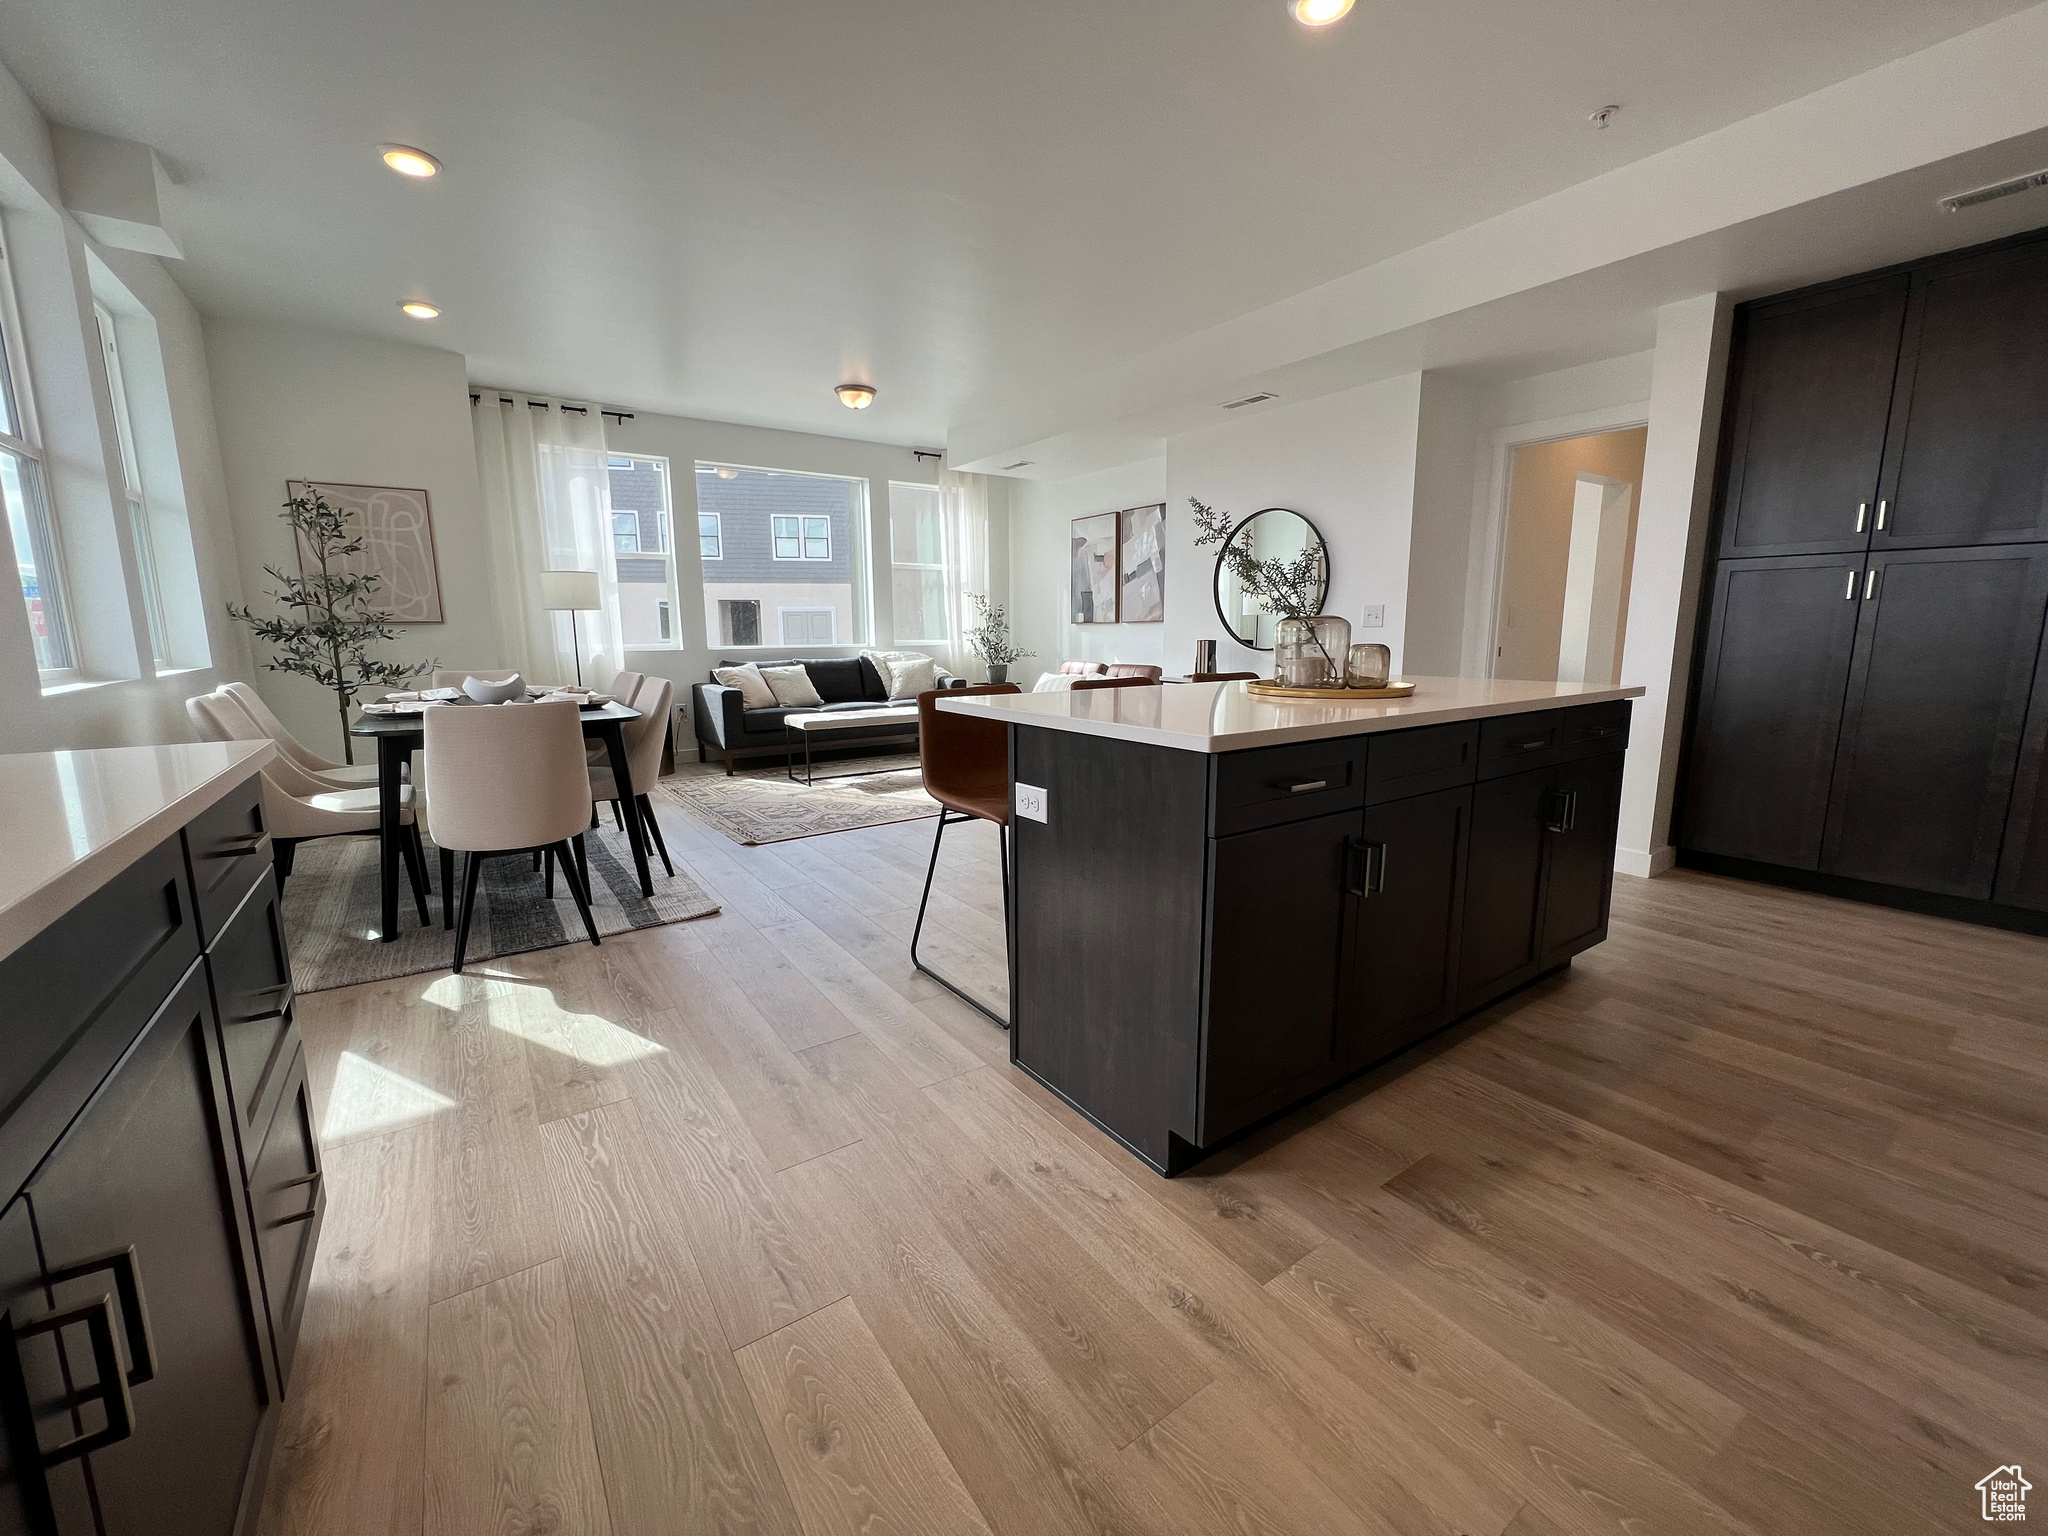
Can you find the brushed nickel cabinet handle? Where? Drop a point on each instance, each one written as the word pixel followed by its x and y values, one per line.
pixel 1850 590
pixel 1881 506
pixel 1870 584
pixel 127 1273
pixel 1301 786
pixel 1862 510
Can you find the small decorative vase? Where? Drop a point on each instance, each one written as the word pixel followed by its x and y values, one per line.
pixel 1311 653
pixel 1370 666
pixel 999 671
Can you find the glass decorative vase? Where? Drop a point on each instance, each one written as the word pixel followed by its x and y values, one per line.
pixel 1311 653
pixel 1371 666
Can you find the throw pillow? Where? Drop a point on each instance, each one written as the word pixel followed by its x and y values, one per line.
pixel 910 675
pixel 792 687
pixel 754 690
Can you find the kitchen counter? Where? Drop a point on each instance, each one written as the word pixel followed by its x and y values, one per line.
pixel 1223 717
pixel 71 821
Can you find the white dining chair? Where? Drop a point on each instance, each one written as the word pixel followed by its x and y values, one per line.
pixel 346 775
pixel 508 780
pixel 643 759
pixel 299 807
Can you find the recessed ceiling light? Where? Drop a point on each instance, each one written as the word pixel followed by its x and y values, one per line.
pixel 856 397
pixel 407 161
pixel 1606 115
pixel 420 309
pixel 1318 13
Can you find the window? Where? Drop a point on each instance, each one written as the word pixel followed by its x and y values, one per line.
pixel 642 553
pixel 781 556
pixel 131 476
pixel 917 556
pixel 21 487
pixel 803 538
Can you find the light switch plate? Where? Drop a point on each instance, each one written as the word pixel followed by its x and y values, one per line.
pixel 1374 617
pixel 1030 802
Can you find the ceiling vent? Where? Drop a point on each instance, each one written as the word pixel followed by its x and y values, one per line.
pixel 1992 194
pixel 1020 464
pixel 1258 399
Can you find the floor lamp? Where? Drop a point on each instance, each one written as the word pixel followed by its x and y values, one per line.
pixel 570 592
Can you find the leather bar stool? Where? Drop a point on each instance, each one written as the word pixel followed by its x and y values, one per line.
pixel 967 770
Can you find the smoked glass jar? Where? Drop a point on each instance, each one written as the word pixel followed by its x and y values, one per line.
pixel 1370 667
pixel 1311 653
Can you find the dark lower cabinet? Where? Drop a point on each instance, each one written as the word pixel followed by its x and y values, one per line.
pixel 39 1472
pixel 287 1199
pixel 138 1201
pixel 1937 701
pixel 1781 635
pixel 251 973
pixel 2023 859
pixel 1504 886
pixel 1279 923
pixel 1407 884
pixel 1578 883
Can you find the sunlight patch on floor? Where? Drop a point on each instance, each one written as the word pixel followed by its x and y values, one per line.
pixel 368 1098
pixel 532 1013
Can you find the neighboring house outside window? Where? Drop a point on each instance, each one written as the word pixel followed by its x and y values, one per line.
pixel 779 552
pixel 918 563
pixel 21 489
pixel 643 552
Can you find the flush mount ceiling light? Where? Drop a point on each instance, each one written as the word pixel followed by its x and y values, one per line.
pixel 407 161
pixel 420 309
pixel 1318 13
pixel 855 397
pixel 727 472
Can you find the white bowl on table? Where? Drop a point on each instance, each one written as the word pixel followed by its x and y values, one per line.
pixel 481 692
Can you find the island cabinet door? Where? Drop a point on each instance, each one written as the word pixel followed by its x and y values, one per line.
pixel 42 1479
pixel 1406 879
pixel 1585 810
pixel 1500 941
pixel 1279 923
pixel 140 1204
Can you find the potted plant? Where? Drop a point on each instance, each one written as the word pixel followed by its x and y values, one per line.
pixel 328 626
pixel 990 638
pixel 1310 648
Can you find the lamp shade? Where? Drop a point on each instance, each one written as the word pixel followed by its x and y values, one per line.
pixel 569 589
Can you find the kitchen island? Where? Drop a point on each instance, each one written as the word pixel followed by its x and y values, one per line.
pixel 160 1184
pixel 1223 905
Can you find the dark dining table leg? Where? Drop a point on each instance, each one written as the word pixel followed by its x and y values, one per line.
pixel 392 752
pixel 629 811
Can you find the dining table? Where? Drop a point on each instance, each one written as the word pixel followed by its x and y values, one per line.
pixel 398 736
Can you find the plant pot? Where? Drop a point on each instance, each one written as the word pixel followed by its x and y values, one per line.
pixel 999 672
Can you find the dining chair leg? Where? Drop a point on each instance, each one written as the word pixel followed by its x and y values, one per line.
pixel 582 862
pixel 547 864
pixel 618 820
pixel 472 870
pixel 448 888
pixel 593 815
pixel 654 829
pixel 536 861
pixel 282 852
pixel 580 889
pixel 419 848
pixel 415 873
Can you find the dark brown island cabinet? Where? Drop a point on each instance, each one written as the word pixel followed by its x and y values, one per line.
pixel 1229 905
pixel 1870 704
pixel 161 1164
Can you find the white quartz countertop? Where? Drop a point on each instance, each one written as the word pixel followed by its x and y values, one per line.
pixel 71 821
pixel 1222 717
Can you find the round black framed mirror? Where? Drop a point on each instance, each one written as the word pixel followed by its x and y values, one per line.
pixel 1273 533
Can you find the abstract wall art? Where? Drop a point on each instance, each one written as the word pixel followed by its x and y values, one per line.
pixel 1092 552
pixel 396 526
pixel 1141 557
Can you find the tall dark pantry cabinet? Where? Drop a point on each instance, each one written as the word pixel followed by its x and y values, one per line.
pixel 1870 709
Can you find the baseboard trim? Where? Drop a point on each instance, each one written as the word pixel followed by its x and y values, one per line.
pixel 1961 909
pixel 1644 866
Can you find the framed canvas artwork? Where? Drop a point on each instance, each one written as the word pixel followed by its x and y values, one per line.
pixel 396 526
pixel 1141 557
pixel 1092 551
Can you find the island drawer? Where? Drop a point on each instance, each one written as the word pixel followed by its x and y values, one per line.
pixel 78 994
pixel 229 846
pixel 1593 730
pixel 250 968
pixel 1421 761
pixel 1517 743
pixel 1268 786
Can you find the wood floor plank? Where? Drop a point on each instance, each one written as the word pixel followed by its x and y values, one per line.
pixel 508 1437
pixel 856 1454
pixel 677 1439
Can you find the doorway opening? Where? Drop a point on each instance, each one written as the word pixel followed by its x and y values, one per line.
pixel 1568 543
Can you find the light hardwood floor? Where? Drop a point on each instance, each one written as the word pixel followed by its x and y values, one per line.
pixel 741 1225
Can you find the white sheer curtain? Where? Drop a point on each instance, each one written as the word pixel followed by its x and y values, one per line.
pixel 963 500
pixel 547 507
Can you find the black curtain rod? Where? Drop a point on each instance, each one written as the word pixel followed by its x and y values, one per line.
pixel 581 410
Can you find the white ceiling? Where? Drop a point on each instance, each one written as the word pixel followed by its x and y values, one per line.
pixel 721 208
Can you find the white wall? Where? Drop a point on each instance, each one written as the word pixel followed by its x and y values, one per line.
pixel 124 701
pixel 296 403
pixel 1042 515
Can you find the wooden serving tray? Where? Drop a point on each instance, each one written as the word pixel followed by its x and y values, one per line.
pixel 1272 690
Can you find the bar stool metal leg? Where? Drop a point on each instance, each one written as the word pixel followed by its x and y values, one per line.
pixel 949 818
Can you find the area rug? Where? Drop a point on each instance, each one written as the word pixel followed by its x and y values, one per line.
pixel 764 807
pixel 331 910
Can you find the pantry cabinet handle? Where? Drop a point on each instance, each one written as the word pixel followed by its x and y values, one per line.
pixel 127 1272
pixel 1862 508
pixel 1881 506
pixel 1850 590
pixel 1357 867
pixel 112 1389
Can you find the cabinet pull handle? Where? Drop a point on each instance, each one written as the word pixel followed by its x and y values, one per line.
pixel 281 990
pixel 1357 866
pixel 1862 507
pixel 127 1272
pixel 1531 744
pixel 1850 590
pixel 1881 506
pixel 1560 810
pixel 239 849
pixel 1870 584
pixel 1571 810
pixel 1301 786
pixel 1376 869
pixel 112 1389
